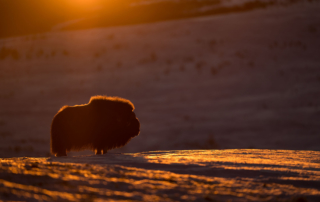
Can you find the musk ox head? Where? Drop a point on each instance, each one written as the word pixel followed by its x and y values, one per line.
pixel 104 123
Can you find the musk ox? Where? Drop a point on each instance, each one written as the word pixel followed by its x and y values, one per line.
pixel 104 123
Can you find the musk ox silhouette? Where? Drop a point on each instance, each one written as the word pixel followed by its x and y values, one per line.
pixel 104 123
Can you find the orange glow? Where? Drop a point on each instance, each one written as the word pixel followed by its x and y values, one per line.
pixel 84 4
pixel 101 177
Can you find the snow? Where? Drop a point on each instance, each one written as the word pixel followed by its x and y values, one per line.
pixel 176 175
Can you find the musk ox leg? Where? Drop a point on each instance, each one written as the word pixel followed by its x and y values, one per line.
pixel 57 147
pixel 104 151
pixel 98 151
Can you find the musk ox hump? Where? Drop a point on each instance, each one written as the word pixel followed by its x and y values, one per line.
pixel 100 100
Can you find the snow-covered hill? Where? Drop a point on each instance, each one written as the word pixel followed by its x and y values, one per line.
pixel 243 80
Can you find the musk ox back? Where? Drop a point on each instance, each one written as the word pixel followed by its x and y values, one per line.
pixel 104 123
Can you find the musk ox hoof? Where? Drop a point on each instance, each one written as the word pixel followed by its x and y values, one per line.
pixel 59 154
pixel 104 123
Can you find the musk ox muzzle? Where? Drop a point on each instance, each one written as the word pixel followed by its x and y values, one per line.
pixel 104 123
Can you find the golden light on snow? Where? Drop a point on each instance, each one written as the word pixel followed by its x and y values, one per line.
pixel 250 156
pixel 259 175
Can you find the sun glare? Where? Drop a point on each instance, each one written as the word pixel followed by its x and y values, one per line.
pixel 88 4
